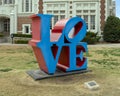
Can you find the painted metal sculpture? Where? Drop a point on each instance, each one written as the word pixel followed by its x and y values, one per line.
pixel 60 47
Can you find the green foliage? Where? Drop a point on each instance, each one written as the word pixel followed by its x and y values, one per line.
pixel 1 35
pixel 91 38
pixel 5 70
pixel 111 32
pixel 21 41
pixel 21 38
pixel 23 35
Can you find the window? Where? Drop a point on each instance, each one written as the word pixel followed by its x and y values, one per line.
pixel 92 22
pixel 56 5
pixel 49 5
pixel 62 11
pixel 85 5
pixel 70 12
pixel 92 5
pixel 9 1
pixel 70 2
pixel 5 1
pixel 86 19
pixel 110 2
pixel 26 28
pixel 0 2
pixel 62 16
pixel 26 5
pixel 55 19
pixel 30 5
pixel 78 5
pixel 49 12
pixel 7 25
pixel 62 5
pixel 92 11
pixel 70 7
pixel 55 12
pixel 85 11
pixel 111 12
pixel 78 11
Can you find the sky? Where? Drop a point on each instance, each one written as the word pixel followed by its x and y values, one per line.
pixel 118 8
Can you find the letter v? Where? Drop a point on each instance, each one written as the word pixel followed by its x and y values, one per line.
pixel 50 60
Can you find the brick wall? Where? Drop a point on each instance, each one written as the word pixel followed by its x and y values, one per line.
pixel 40 6
pixel 102 12
pixel 23 20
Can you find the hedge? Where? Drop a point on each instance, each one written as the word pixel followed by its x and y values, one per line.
pixel 1 35
pixel 91 38
pixel 22 35
pixel 21 41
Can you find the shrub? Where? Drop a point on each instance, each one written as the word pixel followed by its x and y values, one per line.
pixel 21 41
pixel 21 38
pixel 111 32
pixel 1 35
pixel 91 38
pixel 23 35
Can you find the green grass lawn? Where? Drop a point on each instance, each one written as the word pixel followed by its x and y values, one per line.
pixel 16 60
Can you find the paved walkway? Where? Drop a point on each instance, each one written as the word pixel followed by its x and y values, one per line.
pixel 9 44
pixel 105 45
pixel 96 45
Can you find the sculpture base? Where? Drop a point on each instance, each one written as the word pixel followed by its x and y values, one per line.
pixel 39 74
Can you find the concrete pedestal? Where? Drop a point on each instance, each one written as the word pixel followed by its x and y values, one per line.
pixel 39 74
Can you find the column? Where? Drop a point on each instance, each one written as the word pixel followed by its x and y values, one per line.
pixel 2 2
pixel 12 22
pixel 15 18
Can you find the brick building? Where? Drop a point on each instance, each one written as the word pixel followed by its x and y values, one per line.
pixel 94 12
pixel 14 15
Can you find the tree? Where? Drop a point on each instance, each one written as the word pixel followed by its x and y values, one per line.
pixel 111 32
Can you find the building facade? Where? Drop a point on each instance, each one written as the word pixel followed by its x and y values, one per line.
pixel 14 15
pixel 94 12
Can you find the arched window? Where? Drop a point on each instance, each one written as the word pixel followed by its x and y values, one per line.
pixel 26 5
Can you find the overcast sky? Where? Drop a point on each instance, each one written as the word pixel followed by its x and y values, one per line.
pixel 118 8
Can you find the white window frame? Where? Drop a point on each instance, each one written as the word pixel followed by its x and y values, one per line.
pixel 23 28
pixel 92 22
pixel 9 1
pixel 27 8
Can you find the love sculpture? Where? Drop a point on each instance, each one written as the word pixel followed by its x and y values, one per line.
pixel 60 48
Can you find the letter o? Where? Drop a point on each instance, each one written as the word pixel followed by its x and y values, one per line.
pixel 80 29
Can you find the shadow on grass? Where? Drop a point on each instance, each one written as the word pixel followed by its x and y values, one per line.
pixel 6 70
